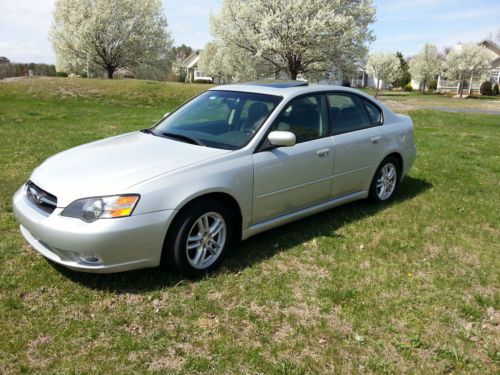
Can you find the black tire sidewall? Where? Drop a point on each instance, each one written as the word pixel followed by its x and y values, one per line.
pixel 174 250
pixel 373 196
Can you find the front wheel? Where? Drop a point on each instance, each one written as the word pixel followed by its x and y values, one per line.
pixel 385 181
pixel 198 239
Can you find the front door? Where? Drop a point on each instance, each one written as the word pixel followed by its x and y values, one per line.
pixel 287 179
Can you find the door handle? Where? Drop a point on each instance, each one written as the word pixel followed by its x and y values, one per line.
pixel 376 139
pixel 323 152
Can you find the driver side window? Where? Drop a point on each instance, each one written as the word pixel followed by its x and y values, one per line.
pixel 305 117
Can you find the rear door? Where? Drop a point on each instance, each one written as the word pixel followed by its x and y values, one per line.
pixel 359 145
pixel 287 179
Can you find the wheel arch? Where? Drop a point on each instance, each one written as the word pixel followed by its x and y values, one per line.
pixel 400 160
pixel 224 197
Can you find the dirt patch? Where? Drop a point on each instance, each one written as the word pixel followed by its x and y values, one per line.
pixel 209 322
pixel 41 340
pixel 168 362
pixel 13 79
pixel 134 329
pixel 397 106
pixel 35 358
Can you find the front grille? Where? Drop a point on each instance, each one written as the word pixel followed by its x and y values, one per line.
pixel 40 198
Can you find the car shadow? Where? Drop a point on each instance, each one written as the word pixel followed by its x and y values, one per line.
pixel 254 250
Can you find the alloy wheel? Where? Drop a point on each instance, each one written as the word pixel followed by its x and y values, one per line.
pixel 206 240
pixel 386 181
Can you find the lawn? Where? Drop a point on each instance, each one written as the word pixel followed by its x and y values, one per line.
pixel 412 100
pixel 410 287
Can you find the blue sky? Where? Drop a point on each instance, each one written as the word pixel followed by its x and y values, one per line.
pixel 402 25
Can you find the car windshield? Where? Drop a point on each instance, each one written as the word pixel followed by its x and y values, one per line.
pixel 219 119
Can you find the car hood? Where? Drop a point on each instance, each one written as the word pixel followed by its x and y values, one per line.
pixel 113 165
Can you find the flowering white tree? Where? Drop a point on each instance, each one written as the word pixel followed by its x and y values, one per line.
pixel 300 36
pixel 383 67
pixel 219 61
pixel 466 62
pixel 213 61
pixel 112 34
pixel 179 67
pixel 426 65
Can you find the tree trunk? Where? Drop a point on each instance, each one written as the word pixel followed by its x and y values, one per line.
pixel 110 72
pixel 377 86
pixel 461 86
pixel 423 87
pixel 293 67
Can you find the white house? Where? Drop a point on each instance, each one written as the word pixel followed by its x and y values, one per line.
pixel 444 85
pixel 193 74
pixel 359 79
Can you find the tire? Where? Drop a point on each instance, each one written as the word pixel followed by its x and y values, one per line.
pixel 385 181
pixel 198 239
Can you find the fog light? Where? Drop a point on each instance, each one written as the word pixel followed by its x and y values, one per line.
pixel 89 258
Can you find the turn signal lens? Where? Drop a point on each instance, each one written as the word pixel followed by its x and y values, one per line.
pixel 120 206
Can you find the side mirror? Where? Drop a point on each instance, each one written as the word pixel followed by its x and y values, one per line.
pixel 166 114
pixel 281 138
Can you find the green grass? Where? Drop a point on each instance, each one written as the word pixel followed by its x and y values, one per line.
pixel 410 287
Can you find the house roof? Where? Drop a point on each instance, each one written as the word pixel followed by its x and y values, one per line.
pixel 491 45
pixel 192 60
pixel 496 63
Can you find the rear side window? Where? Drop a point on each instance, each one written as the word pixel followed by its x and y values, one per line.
pixel 348 113
pixel 374 113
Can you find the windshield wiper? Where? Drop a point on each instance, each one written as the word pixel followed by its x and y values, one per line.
pixel 184 138
pixel 148 131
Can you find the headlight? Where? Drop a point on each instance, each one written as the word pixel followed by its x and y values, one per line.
pixel 91 209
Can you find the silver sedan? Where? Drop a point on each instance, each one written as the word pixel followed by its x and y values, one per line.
pixel 232 162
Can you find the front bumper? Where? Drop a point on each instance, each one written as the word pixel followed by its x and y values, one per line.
pixel 104 246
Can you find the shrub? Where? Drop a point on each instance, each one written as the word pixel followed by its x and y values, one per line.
pixel 346 83
pixel 496 90
pixel 202 81
pixel 432 85
pixel 486 89
pixel 408 87
pixel 61 74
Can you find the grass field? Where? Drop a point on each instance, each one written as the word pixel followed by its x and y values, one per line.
pixel 411 287
pixel 412 100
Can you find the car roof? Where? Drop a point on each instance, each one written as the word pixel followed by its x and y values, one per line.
pixel 277 83
pixel 285 89
pixel 289 91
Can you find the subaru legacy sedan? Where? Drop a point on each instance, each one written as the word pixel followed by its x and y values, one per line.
pixel 232 162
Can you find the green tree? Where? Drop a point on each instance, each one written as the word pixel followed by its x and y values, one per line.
pixel 404 76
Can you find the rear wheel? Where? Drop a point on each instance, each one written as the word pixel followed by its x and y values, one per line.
pixel 385 181
pixel 198 239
